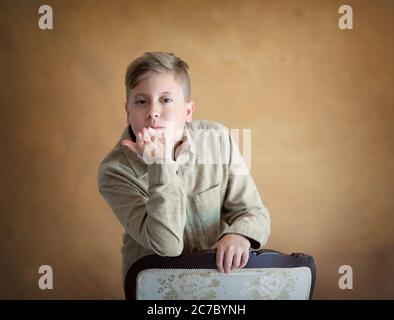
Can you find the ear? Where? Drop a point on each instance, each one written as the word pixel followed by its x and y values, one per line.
pixel 189 111
pixel 127 112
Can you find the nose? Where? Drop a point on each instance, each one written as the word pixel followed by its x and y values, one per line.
pixel 153 113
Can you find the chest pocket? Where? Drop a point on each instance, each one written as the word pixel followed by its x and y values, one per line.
pixel 208 209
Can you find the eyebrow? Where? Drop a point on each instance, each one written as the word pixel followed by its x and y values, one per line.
pixel 143 94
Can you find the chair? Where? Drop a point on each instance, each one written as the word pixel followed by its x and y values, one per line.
pixel 268 275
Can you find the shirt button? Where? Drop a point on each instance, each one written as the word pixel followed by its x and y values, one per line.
pixel 177 172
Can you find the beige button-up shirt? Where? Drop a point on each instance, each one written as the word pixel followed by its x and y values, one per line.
pixel 177 208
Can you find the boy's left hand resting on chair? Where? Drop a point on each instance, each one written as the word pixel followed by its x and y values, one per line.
pixel 232 252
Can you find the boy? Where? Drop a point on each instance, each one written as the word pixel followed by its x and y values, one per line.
pixel 168 203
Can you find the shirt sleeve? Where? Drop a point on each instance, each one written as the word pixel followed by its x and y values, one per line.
pixel 155 220
pixel 243 210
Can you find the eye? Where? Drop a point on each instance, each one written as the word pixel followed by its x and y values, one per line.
pixel 139 101
pixel 167 100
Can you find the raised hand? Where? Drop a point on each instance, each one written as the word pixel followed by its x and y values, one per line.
pixel 152 145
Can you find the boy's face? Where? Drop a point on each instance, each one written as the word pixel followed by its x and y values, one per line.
pixel 158 101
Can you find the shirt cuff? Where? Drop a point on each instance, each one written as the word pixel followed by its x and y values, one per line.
pixel 255 242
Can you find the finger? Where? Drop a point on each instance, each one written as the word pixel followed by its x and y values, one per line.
pixel 228 260
pixel 140 141
pixel 236 260
pixel 146 135
pixel 245 258
pixel 130 144
pixel 219 259
pixel 160 136
pixel 147 148
pixel 164 144
pixel 152 133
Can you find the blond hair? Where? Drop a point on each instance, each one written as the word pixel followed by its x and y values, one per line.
pixel 157 62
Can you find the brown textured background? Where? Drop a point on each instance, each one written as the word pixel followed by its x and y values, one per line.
pixel 319 102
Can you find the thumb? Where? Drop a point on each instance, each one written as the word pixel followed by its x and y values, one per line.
pixel 130 144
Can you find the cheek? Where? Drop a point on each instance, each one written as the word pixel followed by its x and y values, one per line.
pixel 137 119
pixel 176 114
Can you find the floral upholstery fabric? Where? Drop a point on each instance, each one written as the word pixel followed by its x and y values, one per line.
pixel 209 284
